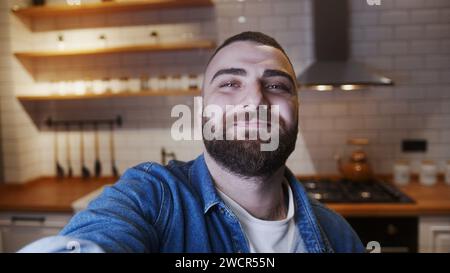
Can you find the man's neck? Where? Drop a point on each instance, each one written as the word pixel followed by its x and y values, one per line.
pixel 261 197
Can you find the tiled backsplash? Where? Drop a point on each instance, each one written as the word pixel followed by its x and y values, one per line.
pixel 408 40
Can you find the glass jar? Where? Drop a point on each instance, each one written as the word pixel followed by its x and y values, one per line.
pixel 54 88
pixel 123 84
pixel 106 85
pixel 193 82
pixel 402 172
pixel 134 85
pixel 184 82
pixel 153 84
pixel 97 86
pixel 89 86
pixel 169 83
pixel 78 88
pixel 176 85
pixel 428 173
pixel 162 82
pixel 144 83
pixel 115 86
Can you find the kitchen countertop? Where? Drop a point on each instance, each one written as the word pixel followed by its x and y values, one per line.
pixel 51 195
pixel 48 194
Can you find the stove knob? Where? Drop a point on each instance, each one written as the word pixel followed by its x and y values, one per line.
pixel 392 230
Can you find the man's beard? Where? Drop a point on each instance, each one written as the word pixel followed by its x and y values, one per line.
pixel 245 158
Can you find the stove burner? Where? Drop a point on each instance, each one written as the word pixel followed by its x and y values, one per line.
pixel 346 191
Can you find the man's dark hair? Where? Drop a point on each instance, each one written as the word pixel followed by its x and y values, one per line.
pixel 251 36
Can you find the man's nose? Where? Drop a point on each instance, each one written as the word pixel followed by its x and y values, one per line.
pixel 254 95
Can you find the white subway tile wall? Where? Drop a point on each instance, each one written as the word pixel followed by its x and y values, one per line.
pixel 406 40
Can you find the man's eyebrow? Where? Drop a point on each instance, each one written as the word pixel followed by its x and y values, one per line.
pixel 232 71
pixel 274 73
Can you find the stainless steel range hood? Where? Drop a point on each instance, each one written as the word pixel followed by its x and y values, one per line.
pixel 332 67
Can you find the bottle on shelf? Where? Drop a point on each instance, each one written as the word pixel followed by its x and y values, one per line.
pixel 78 88
pixel 153 83
pixel 162 82
pixel 89 86
pixel 106 82
pixel 123 84
pixel 193 82
pixel 115 86
pixel 98 87
pixel 184 82
pixel 144 83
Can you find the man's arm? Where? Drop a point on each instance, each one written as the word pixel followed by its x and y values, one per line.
pixel 121 219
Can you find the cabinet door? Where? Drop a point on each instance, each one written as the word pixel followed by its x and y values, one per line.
pixel 434 234
pixel 14 238
pixel 20 229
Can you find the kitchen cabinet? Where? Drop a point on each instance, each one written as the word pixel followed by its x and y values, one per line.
pixel 20 229
pixel 434 234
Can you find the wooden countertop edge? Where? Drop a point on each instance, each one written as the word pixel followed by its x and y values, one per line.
pixel 425 205
pixel 37 209
pixel 382 210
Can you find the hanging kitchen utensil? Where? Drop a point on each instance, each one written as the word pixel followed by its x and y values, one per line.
pixel 85 173
pixel 114 170
pixel 69 160
pixel 98 165
pixel 59 168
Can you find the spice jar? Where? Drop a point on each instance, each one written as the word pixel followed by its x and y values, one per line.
pixel 144 83
pixel 428 173
pixel 162 82
pixel 106 85
pixel 153 84
pixel 123 84
pixel 115 86
pixel 402 172
pixel 98 87
pixel 193 82
pixel 134 85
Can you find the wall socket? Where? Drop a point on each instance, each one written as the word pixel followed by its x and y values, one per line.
pixel 414 145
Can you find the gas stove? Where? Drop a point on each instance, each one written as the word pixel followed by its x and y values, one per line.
pixel 347 191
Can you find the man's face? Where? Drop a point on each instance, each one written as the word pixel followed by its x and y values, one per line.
pixel 247 73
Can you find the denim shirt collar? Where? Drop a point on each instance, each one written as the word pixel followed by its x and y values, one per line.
pixel 201 180
pixel 309 228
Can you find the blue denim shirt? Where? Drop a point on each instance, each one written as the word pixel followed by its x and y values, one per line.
pixel 176 208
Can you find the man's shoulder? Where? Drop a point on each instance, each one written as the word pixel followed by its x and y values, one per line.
pixel 151 171
pixel 337 230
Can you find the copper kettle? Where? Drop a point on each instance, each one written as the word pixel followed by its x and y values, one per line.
pixel 357 168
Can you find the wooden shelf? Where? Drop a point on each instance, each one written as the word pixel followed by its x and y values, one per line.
pixel 194 45
pixel 146 93
pixel 108 7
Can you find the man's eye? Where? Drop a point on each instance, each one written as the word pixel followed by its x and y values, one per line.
pixel 278 87
pixel 229 84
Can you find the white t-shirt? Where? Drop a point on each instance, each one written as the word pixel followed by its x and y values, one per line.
pixel 280 236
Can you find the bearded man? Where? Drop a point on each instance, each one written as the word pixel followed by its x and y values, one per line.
pixel 236 196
